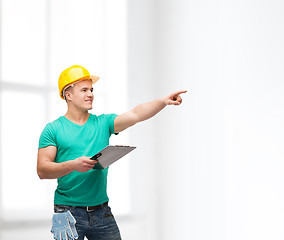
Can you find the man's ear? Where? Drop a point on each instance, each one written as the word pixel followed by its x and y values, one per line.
pixel 68 95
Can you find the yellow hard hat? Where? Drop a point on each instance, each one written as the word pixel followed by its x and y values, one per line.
pixel 74 74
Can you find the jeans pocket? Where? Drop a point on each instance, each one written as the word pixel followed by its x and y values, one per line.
pixel 108 213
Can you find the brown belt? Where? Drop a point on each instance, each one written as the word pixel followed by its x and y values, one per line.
pixel 88 208
pixel 93 208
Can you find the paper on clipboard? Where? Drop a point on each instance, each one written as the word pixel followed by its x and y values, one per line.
pixel 110 154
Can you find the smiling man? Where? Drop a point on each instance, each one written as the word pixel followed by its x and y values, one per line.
pixel 65 147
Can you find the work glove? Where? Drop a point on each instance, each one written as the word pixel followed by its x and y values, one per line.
pixel 63 226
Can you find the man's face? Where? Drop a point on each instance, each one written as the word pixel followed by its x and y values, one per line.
pixel 81 95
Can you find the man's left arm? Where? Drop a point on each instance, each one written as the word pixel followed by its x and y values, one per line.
pixel 145 111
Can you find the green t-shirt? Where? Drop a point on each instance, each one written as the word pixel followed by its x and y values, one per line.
pixel 73 141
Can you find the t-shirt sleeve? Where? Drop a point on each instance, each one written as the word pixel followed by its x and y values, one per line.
pixel 47 137
pixel 110 120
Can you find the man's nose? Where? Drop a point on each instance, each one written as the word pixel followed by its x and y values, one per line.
pixel 90 93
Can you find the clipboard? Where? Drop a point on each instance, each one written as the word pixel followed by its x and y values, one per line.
pixel 110 154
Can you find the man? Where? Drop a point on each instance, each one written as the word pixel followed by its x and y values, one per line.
pixel 65 147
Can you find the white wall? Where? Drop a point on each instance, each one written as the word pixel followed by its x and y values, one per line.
pixel 218 158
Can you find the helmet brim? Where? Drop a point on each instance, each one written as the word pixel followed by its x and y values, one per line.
pixel 94 78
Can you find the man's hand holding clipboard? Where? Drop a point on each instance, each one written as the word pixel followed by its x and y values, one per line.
pixel 110 154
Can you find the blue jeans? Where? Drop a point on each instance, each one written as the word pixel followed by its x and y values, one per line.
pixel 95 225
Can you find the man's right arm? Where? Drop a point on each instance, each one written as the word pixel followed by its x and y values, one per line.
pixel 48 169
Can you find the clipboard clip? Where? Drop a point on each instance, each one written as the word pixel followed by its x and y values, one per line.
pixel 95 157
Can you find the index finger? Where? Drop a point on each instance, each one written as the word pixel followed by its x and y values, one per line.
pixel 181 91
pixel 178 92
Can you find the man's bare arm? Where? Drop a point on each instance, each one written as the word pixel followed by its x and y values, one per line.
pixel 145 111
pixel 48 169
